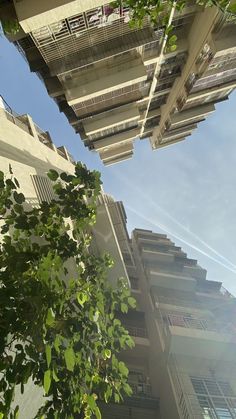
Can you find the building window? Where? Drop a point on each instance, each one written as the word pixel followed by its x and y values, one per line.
pixel 216 398
pixel 43 188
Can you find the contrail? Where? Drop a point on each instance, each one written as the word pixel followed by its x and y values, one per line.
pixel 195 236
pixel 164 228
pixel 164 212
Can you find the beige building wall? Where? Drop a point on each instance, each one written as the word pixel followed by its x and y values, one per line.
pixel 191 332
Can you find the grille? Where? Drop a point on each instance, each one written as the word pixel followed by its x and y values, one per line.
pixel 112 131
pixel 94 34
pixel 119 96
pixel 43 188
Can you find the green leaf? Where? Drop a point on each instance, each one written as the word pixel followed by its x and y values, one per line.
pixel 18 208
pixel 173 48
pixel 127 389
pixel 123 369
pixel 124 308
pixel 1 175
pixel 172 40
pixel 57 343
pixel 117 398
pixel 10 184
pixel 64 176
pixel 132 302
pixel 232 8
pixel 16 182
pixel 70 359
pixel 16 412
pixel 50 317
pixel 97 413
pixel 48 355
pixel 108 394
pixel 107 353
pixel 54 376
pixel 19 197
pixel 47 381
pixel 81 298
pixel 53 175
pixel 91 402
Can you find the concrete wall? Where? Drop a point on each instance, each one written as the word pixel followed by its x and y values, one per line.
pixel 33 15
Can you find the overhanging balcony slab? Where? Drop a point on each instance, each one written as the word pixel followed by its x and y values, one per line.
pixel 183 131
pixel 121 138
pixel 116 151
pixel 152 255
pixel 111 119
pixel 118 159
pixel 175 282
pixel 202 343
pixel 191 114
pixel 85 87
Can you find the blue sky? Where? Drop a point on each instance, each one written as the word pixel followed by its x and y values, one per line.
pixel 186 190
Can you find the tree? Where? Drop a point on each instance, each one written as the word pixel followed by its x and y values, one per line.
pixel 8 18
pixel 158 11
pixel 58 312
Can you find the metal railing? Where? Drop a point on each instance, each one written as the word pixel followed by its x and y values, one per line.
pixel 184 401
pixel 141 389
pixel 137 331
pixel 22 122
pixel 95 34
pixel 134 283
pixel 19 120
pixel 225 292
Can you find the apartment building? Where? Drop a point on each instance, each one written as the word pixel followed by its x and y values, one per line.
pixel 116 84
pixel 184 362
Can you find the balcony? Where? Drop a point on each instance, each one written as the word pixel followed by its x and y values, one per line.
pixel 121 138
pixel 134 283
pixel 137 331
pixel 20 120
pixel 114 118
pixel 188 335
pixel 191 115
pixel 142 404
pixel 170 280
pixel 142 396
pixel 112 154
pixel 103 80
pixel 157 256
pixel 44 137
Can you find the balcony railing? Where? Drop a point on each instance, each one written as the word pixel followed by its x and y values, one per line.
pixel 22 121
pixel 137 331
pixel 190 322
pixel 226 293
pixel 134 283
pixel 19 120
pixel 141 389
pixel 90 36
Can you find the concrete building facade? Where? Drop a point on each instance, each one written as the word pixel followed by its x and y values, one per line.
pixel 184 362
pixel 115 83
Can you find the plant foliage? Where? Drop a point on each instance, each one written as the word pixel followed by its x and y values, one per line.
pixel 158 12
pixel 57 317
